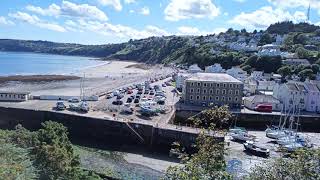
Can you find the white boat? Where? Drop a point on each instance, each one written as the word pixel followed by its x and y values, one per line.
pixel 243 136
pixel 293 146
pixel 275 133
pixel 237 130
pixel 256 149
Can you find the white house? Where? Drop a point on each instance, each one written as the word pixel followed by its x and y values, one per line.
pixel 265 85
pixel 296 62
pixel 216 68
pixel 194 69
pixel 292 95
pixel 14 96
pixel 313 97
pixel 269 50
pixel 250 85
pixel 257 75
pixel 253 101
pixel 237 73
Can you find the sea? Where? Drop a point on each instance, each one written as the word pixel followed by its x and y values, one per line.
pixel 21 63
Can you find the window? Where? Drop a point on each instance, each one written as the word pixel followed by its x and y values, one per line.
pixel 192 84
pixel 237 92
pixel 191 97
pixel 223 91
pixel 229 98
pixel 191 90
pixel 217 98
pixel 230 85
pixel 205 84
pixel 198 90
pixel 204 98
pixel 234 85
pixel 218 85
pixel 230 91
pixel 236 98
pixel 217 91
pixel 211 84
pixel 210 98
pixel 199 84
pixel 198 97
pixel 211 91
pixel 237 85
pixel 204 91
pixel 224 85
pixel 223 98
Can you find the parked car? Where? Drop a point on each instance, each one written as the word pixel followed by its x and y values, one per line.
pixel 138 97
pixel 151 92
pixel 129 100
pixel 263 108
pixel 146 91
pixel 164 85
pixel 139 92
pixel 129 91
pixel 60 106
pixel 74 100
pixel 120 96
pixel 109 96
pixel 117 102
pixel 136 101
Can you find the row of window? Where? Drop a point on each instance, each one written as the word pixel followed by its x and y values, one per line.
pixel 224 85
pixel 210 98
pixel 12 96
pixel 224 91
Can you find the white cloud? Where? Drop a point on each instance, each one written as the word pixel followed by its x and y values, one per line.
pixel 115 3
pixel 314 4
pixel 144 11
pixel 70 9
pixel 186 9
pixel 4 21
pixel 265 16
pixel 240 1
pixel 129 1
pixel 118 30
pixel 34 20
pixel 52 10
pixel 187 30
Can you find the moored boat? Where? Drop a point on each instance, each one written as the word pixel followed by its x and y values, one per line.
pixel 256 149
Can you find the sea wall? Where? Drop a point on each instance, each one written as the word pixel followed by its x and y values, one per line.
pixel 260 121
pixel 98 130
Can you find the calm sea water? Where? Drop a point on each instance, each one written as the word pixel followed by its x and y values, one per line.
pixel 13 63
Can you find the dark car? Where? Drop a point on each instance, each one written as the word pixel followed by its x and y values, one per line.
pixel 151 92
pixel 161 102
pixel 136 101
pixel 129 100
pixel 137 97
pixel 120 96
pixel 117 102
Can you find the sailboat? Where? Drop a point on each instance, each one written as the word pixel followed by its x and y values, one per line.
pixel 276 132
pixel 83 105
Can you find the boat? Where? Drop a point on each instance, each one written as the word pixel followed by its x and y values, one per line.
pixel 293 146
pixel 243 136
pixel 237 129
pixel 256 149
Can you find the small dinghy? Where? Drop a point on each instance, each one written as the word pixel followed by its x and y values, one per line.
pixel 255 149
pixel 243 136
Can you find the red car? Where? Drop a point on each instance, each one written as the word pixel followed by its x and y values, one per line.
pixel 263 108
pixel 129 91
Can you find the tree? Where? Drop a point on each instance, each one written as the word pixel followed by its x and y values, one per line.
pixel 265 39
pixel 207 163
pixel 285 71
pixel 217 117
pixel 306 73
pixel 315 68
pixel 302 53
pixel 54 151
pixel 304 164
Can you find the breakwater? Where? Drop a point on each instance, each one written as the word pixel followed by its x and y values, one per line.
pixel 100 130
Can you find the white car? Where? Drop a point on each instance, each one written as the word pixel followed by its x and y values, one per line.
pixel 74 100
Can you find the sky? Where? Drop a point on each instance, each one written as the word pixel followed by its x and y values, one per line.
pixel 115 21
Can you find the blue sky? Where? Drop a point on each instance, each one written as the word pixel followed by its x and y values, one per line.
pixel 113 21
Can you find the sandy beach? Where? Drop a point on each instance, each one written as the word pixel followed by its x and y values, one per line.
pixel 98 79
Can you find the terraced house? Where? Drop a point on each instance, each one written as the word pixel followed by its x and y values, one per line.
pixel 210 89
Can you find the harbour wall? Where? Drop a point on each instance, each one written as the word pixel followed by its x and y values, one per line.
pixel 98 130
pixel 258 121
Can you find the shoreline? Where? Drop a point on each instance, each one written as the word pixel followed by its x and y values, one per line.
pixel 36 78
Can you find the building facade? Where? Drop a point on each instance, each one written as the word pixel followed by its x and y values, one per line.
pixel 210 89
pixel 14 96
